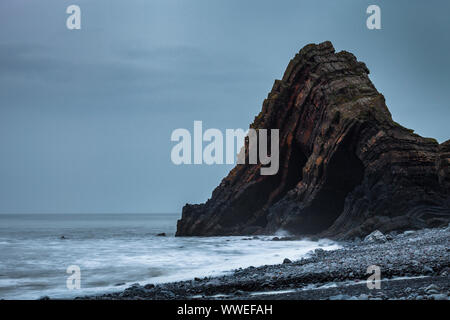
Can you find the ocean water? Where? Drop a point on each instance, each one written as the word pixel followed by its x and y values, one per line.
pixel 116 250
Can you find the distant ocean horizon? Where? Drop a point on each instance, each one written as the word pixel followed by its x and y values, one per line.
pixel 116 250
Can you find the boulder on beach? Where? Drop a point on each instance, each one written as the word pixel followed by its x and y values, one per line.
pixel 376 236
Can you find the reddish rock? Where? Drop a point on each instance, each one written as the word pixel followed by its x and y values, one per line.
pixel 346 168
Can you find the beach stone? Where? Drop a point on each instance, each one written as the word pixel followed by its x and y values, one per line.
pixel 340 297
pixel 415 263
pixel 440 296
pixel 168 293
pixel 286 260
pixel 319 252
pixel 427 269
pixel 214 282
pixel 375 236
pixel 432 288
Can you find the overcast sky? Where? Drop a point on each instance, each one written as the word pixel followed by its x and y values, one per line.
pixel 86 115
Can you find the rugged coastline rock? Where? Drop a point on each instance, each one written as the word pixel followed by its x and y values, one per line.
pixel 346 168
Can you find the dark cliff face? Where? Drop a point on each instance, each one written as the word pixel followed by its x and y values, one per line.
pixel 346 168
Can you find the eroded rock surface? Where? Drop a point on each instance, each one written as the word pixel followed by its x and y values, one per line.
pixel 346 168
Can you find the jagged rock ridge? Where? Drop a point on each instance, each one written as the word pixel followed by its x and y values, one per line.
pixel 346 168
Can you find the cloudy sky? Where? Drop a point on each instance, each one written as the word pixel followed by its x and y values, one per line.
pixel 86 115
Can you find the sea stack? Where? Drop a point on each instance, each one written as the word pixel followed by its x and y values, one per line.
pixel 346 168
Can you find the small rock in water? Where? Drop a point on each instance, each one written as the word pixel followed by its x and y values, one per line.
pixel 286 260
pixel 375 236
pixel 162 234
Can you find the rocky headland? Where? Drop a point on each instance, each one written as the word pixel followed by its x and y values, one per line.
pixel 346 168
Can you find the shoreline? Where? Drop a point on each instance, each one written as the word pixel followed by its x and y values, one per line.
pixel 413 265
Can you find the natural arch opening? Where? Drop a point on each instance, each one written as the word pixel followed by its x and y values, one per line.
pixel 344 173
pixel 248 208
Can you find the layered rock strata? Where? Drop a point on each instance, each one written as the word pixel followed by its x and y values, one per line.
pixel 346 168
